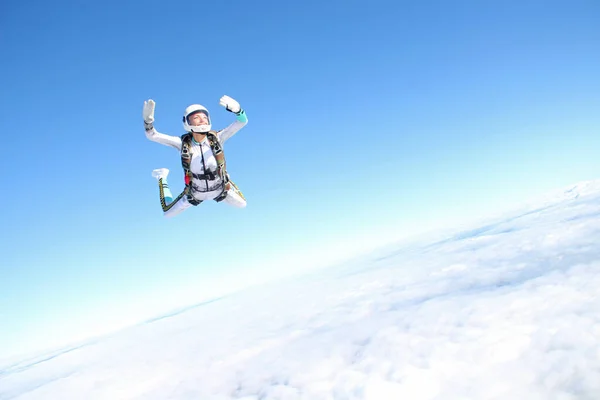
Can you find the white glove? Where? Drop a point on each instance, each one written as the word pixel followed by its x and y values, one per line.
pixel 230 104
pixel 148 112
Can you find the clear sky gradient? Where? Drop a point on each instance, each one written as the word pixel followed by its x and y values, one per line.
pixel 368 121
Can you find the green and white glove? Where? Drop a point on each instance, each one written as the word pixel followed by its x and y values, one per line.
pixel 148 114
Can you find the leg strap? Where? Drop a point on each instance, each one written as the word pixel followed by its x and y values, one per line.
pixel 192 200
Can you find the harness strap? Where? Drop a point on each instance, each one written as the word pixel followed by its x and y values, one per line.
pixel 210 176
pixel 186 158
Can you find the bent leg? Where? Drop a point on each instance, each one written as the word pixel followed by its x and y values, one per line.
pixel 169 206
pixel 177 207
pixel 165 192
pixel 235 197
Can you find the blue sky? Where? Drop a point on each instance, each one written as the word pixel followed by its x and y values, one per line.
pixel 367 121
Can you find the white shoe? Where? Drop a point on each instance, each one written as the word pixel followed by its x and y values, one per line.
pixel 160 173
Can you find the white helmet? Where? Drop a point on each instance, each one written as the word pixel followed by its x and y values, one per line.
pixel 193 109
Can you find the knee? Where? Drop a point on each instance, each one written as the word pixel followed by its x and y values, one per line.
pixel 235 200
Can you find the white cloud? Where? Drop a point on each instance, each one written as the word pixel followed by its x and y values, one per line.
pixel 509 310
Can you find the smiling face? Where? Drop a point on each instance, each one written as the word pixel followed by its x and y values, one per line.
pixel 198 118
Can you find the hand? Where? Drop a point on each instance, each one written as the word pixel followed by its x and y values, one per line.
pixel 148 112
pixel 230 104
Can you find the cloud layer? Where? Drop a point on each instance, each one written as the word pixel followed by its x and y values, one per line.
pixel 508 310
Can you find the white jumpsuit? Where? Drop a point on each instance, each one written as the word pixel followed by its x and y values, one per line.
pixel 203 162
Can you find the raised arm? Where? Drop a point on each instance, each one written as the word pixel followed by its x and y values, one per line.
pixel 153 134
pixel 241 119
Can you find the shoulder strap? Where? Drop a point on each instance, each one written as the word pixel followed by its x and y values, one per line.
pixel 186 157
pixel 215 144
pixel 217 150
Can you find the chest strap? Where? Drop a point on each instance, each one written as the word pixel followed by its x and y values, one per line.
pixel 209 176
